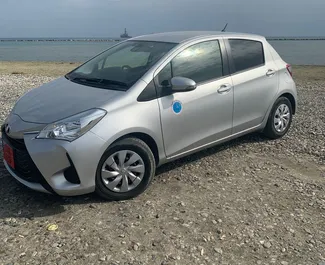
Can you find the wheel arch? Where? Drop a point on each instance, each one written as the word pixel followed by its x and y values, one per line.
pixel 291 99
pixel 147 139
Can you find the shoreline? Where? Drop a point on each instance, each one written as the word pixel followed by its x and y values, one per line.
pixel 63 40
pixel 319 38
pixel 51 68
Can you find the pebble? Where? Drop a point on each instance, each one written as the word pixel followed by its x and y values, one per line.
pixel 205 215
pixel 218 250
pixel 266 244
pixel 308 231
pixel 135 247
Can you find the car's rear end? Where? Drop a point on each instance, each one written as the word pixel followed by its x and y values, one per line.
pixel 287 85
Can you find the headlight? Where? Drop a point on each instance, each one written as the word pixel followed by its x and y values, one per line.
pixel 73 127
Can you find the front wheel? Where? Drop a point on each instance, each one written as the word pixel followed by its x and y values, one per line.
pixel 280 119
pixel 125 170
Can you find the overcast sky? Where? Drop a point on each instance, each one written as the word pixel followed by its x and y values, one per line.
pixel 108 18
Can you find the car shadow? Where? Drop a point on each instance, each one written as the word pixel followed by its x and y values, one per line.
pixel 18 201
pixel 250 138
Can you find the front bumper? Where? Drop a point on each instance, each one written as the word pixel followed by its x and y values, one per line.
pixel 55 166
pixel 31 185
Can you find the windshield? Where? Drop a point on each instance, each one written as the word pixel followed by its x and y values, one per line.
pixel 121 66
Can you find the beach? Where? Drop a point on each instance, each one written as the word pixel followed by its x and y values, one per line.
pixel 298 52
pixel 301 72
pixel 249 201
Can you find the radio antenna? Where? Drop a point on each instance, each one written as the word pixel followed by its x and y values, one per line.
pixel 224 29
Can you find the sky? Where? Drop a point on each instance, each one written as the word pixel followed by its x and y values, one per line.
pixel 108 18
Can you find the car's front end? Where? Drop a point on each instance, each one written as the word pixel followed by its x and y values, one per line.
pixel 47 139
pixel 56 134
pixel 50 165
pixel 54 150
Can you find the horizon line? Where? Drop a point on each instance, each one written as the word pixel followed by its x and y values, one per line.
pixel 118 37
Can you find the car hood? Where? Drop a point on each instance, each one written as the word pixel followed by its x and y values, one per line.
pixel 59 99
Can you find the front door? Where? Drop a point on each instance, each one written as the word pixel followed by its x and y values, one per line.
pixel 193 119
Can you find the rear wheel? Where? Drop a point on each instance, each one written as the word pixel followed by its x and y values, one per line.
pixel 125 170
pixel 280 119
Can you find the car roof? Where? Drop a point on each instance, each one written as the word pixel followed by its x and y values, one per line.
pixel 182 36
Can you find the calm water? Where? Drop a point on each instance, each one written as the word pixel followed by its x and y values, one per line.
pixel 295 52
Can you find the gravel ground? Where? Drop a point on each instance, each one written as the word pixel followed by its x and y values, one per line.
pixel 250 201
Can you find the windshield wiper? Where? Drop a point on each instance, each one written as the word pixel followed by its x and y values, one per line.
pixel 114 82
pixel 100 81
pixel 88 80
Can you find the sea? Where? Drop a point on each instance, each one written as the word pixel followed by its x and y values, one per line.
pixel 296 52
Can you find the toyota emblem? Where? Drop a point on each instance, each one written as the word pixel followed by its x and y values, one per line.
pixel 7 128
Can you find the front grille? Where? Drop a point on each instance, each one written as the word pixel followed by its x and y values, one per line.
pixel 16 143
pixel 25 168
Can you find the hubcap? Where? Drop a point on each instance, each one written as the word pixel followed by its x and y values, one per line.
pixel 123 171
pixel 282 118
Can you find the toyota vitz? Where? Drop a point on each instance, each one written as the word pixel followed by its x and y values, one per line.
pixel 108 124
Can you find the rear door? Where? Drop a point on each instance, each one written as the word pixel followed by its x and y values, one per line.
pixel 255 80
pixel 196 118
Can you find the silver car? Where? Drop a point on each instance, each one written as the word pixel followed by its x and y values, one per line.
pixel 109 123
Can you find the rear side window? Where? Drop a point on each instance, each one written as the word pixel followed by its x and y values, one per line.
pixel 246 54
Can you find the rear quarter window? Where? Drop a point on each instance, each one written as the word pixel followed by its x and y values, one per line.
pixel 246 54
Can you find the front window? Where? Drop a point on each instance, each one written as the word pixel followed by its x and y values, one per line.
pixel 121 66
pixel 200 62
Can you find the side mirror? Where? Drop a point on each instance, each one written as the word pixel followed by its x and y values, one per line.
pixel 182 84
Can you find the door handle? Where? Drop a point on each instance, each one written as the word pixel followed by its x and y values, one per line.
pixel 224 88
pixel 270 72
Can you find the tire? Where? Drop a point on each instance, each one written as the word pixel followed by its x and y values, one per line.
pixel 134 148
pixel 271 130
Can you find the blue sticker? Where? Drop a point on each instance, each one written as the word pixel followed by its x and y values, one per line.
pixel 177 107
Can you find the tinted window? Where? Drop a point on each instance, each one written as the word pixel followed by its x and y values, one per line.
pixel 246 54
pixel 200 62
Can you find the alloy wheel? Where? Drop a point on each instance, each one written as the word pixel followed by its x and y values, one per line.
pixel 282 118
pixel 123 171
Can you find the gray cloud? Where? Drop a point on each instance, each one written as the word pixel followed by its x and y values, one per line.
pixel 107 18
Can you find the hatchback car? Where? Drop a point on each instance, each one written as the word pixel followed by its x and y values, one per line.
pixel 108 124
